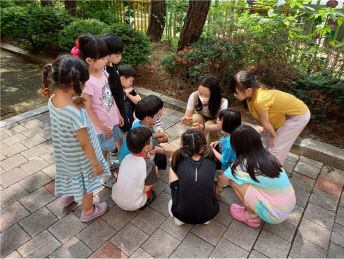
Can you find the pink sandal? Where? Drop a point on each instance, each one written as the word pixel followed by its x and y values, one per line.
pixel 238 213
pixel 65 200
pixel 99 209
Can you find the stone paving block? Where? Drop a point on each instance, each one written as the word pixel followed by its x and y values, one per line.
pixel 38 221
pixel 338 234
pixel 314 233
pixel 33 141
pixel 50 170
pixel 284 230
pixel 129 239
pixel 40 246
pixel 160 244
pixel 174 230
pixel 301 197
pixel 176 142
pixel 34 165
pixel 322 217
pixel 330 186
pixel 307 170
pixel 96 234
pixel 118 218
pixel 12 129
pixel 13 149
pixel 289 166
pixel 302 248
pixel 14 139
pixel 324 200
pixel 193 247
pixel 340 216
pixel 67 227
pixel 37 199
pixel 292 157
pixel 74 248
pixel 35 181
pixel 342 200
pixel 108 250
pixel 223 217
pixel 333 173
pixel 176 131
pixel 256 254
pixel 228 197
pixel 59 211
pixel 335 251
pixel 161 203
pixel 3 134
pixel 36 151
pixel 11 177
pixel 49 157
pixel 311 161
pixel 3 145
pixel 226 249
pixel 148 220
pixel 13 162
pixel 272 245
pixel 105 196
pixel 301 182
pixel 11 215
pixel 163 176
pixel 31 123
pixel 140 253
pixel 211 232
pixel 244 236
pixel 14 254
pixel 50 187
pixel 296 215
pixel 160 187
pixel 12 194
pixel 167 123
pixel 11 239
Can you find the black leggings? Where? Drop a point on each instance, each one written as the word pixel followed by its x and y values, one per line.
pixel 218 162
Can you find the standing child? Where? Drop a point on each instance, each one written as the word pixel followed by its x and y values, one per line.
pixel 192 181
pixel 131 97
pixel 78 157
pixel 229 120
pixel 100 104
pixel 258 180
pixel 137 174
pixel 282 115
pixel 147 112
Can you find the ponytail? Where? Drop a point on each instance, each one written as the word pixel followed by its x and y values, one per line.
pixel 45 91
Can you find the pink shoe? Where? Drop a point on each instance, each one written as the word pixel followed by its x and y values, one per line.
pixel 238 213
pixel 65 200
pixel 99 209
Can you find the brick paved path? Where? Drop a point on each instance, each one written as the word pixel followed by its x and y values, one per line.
pixel 33 224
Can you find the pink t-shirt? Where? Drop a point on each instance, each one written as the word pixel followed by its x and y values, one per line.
pixel 103 105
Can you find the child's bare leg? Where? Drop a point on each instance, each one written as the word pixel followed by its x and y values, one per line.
pixel 87 202
pixel 240 191
pixel 105 153
pixel 221 181
pixel 119 143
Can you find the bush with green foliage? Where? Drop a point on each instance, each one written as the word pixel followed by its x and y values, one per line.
pixel 102 10
pixel 68 35
pixel 33 27
pixel 136 44
pixel 220 57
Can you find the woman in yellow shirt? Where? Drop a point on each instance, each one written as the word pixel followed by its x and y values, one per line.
pixel 283 116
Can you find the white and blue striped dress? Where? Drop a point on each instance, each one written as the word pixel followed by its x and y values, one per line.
pixel 74 173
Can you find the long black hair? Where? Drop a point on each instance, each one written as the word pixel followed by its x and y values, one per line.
pixel 231 119
pixel 251 154
pixel 212 83
pixel 193 143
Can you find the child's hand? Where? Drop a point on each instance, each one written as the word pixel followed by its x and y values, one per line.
pixel 150 155
pixel 97 169
pixel 128 90
pixel 263 132
pixel 186 120
pixel 272 141
pixel 121 120
pixel 107 132
pixel 213 144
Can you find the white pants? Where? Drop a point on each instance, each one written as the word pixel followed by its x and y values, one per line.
pixel 286 135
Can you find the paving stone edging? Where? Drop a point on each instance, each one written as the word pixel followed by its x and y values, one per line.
pixel 314 149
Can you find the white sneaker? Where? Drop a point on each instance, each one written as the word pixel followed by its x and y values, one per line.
pixel 176 221
pixel 108 181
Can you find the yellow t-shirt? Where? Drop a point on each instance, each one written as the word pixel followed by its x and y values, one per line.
pixel 277 103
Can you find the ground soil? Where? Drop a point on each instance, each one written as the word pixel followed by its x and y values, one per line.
pixel 151 76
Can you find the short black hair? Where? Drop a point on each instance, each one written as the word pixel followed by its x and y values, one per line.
pixel 91 46
pixel 231 119
pixel 146 107
pixel 114 43
pixel 157 100
pixel 126 71
pixel 138 138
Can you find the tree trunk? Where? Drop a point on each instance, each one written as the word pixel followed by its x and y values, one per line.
pixel 70 6
pixel 46 3
pixel 157 20
pixel 194 22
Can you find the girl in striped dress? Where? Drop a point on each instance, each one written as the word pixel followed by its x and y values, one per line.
pixel 258 180
pixel 78 158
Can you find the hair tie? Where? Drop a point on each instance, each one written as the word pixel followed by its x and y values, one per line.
pixel 75 50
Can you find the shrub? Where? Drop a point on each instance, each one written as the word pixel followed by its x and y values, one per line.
pixel 6 3
pixel 220 57
pixel 136 44
pixel 33 27
pixel 68 35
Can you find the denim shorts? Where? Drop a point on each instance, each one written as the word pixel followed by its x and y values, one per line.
pixel 108 144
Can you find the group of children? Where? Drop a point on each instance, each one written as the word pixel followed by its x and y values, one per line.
pixel 95 105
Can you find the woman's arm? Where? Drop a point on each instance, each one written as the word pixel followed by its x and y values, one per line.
pixel 198 126
pixel 172 176
pixel 88 101
pixel 264 118
pixel 88 149
pixel 187 118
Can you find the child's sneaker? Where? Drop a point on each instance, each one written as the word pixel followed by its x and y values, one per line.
pixel 108 181
pixel 99 209
pixel 65 200
pixel 114 152
pixel 114 166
